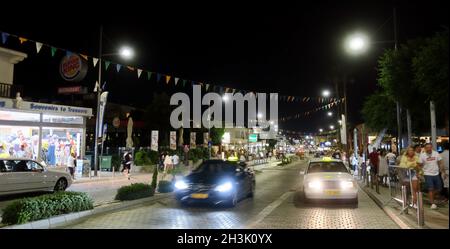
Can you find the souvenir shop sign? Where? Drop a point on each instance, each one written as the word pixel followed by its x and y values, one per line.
pixel 47 108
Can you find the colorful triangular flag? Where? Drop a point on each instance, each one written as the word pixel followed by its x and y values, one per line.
pixel 158 77
pixel 38 47
pixel 96 87
pixel 22 40
pixel 130 68
pixel 139 72
pixel 107 63
pixel 149 75
pixel 176 80
pixel 4 37
pixel 118 67
pixel 94 60
pixel 53 50
pixel 167 79
pixel 184 83
pixel 84 56
pixel 207 87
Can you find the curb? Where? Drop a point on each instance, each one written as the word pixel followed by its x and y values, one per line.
pixel 394 217
pixel 66 219
pixel 100 179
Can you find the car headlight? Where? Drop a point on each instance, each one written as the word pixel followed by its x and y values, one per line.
pixel 315 185
pixel 224 187
pixel 346 184
pixel 181 185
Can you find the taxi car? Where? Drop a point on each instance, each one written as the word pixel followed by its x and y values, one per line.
pixel 22 175
pixel 329 179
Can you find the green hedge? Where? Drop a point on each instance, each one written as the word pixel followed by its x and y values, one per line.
pixel 134 191
pixel 198 153
pixel 165 187
pixel 45 206
pixel 142 158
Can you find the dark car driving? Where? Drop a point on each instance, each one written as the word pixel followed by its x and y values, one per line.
pixel 216 182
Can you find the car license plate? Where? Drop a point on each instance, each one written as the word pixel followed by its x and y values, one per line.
pixel 332 192
pixel 199 196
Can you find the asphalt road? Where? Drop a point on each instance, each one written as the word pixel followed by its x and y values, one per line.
pixel 276 204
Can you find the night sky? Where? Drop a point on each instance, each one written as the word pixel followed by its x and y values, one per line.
pixel 291 48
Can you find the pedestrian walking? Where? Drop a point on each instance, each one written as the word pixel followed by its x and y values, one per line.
pixel 432 164
pixel 126 164
pixel 71 164
pixel 175 160
pixel 411 161
pixel 374 163
pixel 383 168
pixel 444 156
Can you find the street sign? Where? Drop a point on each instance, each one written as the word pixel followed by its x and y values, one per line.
pixel 72 90
pixel 253 138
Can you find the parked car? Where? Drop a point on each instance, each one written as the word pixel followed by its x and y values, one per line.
pixel 20 175
pixel 216 182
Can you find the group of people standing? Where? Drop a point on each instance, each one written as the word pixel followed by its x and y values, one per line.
pixel 424 164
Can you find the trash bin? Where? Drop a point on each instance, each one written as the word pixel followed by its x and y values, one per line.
pixel 105 163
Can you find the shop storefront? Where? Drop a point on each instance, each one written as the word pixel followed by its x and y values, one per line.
pixel 42 131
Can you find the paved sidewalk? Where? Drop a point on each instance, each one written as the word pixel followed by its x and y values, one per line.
pixel 434 219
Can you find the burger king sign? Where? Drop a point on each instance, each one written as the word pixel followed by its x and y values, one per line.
pixel 73 68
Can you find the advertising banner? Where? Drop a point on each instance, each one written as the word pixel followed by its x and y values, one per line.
pixel 173 140
pixel 154 144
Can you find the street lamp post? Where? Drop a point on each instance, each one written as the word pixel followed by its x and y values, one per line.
pixel 99 92
pixel 124 52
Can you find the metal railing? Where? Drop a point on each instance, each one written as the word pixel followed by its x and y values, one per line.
pixel 10 90
pixel 401 190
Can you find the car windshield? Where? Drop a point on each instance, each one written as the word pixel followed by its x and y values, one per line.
pixel 213 168
pixel 318 167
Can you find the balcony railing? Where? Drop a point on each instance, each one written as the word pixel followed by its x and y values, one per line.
pixel 10 90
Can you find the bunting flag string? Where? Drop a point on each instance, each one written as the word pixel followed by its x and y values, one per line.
pixel 213 87
pixel 307 113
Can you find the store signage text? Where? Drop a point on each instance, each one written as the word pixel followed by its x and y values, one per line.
pixel 42 107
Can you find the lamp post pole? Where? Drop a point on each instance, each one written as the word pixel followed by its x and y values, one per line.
pixel 99 92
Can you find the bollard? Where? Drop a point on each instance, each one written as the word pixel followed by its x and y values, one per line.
pixel 420 211
pixel 404 200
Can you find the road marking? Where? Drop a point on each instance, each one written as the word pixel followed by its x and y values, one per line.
pixel 267 210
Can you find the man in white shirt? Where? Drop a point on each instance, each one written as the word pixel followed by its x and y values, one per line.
pixel 432 164
pixel 444 156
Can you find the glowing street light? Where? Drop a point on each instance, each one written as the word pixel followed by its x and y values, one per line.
pixel 259 115
pixel 326 93
pixel 320 130
pixel 356 43
pixel 330 114
pixel 126 52
pixel 225 98
pixel 331 127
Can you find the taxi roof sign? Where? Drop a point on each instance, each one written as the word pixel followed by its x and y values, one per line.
pixel 327 159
